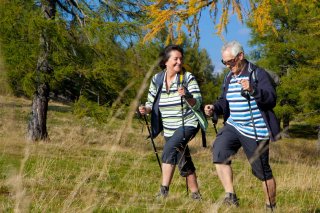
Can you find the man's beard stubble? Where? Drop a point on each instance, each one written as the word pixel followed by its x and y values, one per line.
pixel 241 64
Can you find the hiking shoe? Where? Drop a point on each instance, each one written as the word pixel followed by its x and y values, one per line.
pixel 163 193
pixel 231 200
pixel 271 207
pixel 196 196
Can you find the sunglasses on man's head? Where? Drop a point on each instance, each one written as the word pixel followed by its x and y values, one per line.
pixel 231 62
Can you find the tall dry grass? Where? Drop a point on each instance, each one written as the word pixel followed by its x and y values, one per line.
pixel 87 167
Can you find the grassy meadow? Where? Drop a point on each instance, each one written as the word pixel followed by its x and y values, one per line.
pixel 91 167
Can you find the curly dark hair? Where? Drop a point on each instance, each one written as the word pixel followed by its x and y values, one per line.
pixel 165 54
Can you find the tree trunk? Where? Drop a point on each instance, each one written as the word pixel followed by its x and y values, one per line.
pixel 279 122
pixel 286 122
pixel 285 126
pixel 37 127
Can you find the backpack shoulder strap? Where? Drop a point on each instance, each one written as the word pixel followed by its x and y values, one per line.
pixel 273 77
pixel 159 80
pixel 253 72
pixel 156 122
pixel 225 81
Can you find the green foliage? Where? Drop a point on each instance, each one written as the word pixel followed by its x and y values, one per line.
pixel 89 60
pixel 19 37
pixel 86 108
pixel 293 53
pixel 4 86
pixel 199 64
pixel 142 58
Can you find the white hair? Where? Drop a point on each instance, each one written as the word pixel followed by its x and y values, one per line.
pixel 234 46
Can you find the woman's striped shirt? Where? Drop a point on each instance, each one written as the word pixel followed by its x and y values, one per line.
pixel 240 116
pixel 170 103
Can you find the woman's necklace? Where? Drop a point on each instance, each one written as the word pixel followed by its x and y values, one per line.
pixel 169 81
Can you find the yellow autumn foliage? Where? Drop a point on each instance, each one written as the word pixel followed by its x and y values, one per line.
pixel 185 13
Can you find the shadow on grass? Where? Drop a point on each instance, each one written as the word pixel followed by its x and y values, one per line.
pixel 303 131
pixel 14 105
pixel 63 109
pixel 56 108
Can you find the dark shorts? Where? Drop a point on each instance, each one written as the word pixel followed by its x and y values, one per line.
pixel 176 151
pixel 228 142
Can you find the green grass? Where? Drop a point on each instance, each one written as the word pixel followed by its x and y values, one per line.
pixel 90 167
pixel 4 86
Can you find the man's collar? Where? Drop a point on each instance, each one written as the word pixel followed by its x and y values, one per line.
pixel 244 70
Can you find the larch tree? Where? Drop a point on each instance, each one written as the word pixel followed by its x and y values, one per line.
pixel 76 51
pixel 177 15
pixel 37 128
pixel 292 52
pixel 79 13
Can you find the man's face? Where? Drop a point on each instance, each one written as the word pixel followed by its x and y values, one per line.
pixel 231 61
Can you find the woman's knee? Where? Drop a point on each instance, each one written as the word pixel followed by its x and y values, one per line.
pixel 186 169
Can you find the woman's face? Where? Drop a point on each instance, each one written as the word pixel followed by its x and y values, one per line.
pixel 174 63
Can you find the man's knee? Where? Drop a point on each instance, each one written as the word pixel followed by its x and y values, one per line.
pixel 261 168
pixel 262 174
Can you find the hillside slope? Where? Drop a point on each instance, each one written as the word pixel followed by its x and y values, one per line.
pixel 90 167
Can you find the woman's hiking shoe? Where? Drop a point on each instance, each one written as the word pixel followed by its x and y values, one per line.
pixel 196 196
pixel 231 199
pixel 271 207
pixel 163 193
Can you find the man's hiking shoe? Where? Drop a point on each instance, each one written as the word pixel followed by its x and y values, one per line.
pixel 271 207
pixel 196 196
pixel 231 200
pixel 163 193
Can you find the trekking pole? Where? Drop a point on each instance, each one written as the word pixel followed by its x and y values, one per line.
pixel 152 142
pixel 184 138
pixel 215 121
pixel 246 95
pixel 184 134
pixel 183 128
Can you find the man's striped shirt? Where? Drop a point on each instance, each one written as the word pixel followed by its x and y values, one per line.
pixel 240 116
pixel 170 103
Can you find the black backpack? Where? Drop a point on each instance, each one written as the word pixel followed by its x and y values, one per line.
pixel 273 77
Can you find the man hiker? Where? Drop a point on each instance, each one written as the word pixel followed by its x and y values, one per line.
pixel 246 102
